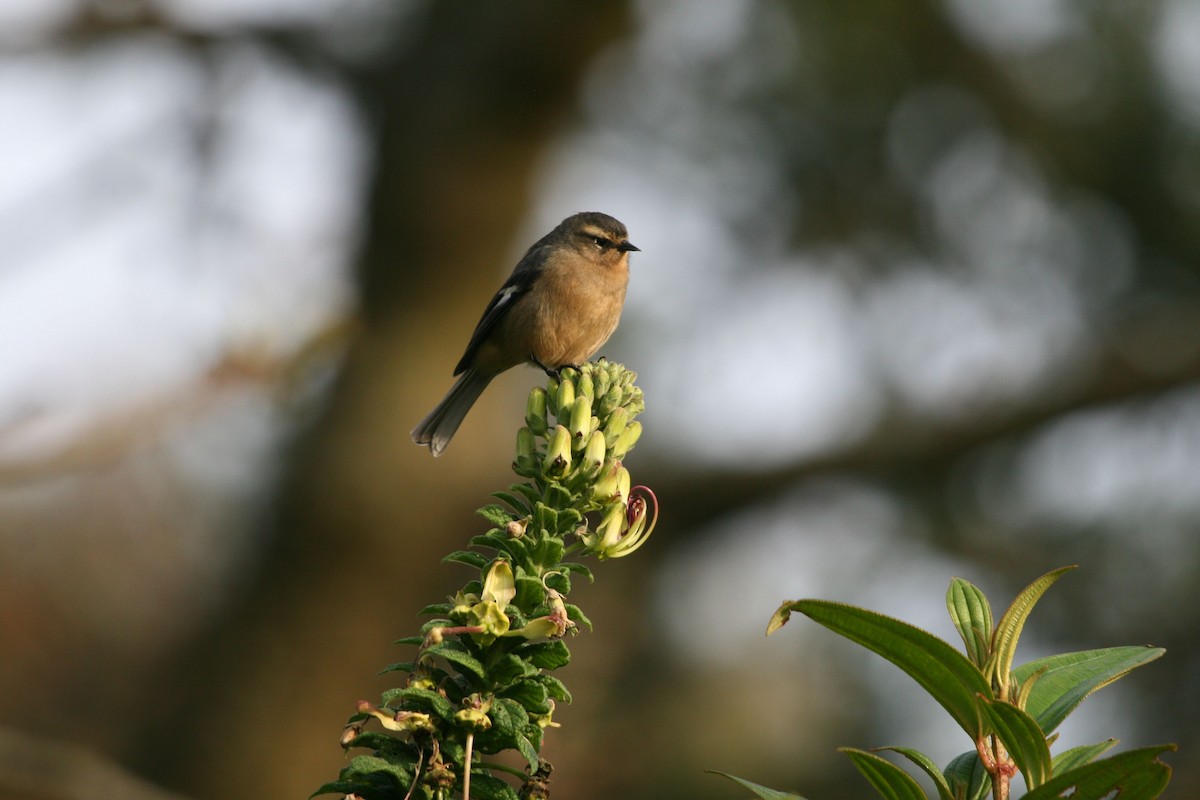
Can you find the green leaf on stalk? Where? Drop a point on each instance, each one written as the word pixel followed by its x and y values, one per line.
pixel 1067 679
pixel 517 504
pixel 547 655
pixel 508 668
pixel 758 789
pixel 497 515
pixel 1132 775
pixel 557 496
pixel 942 671
pixel 559 581
pixel 967 777
pixel 427 700
pixel 1024 740
pixel 889 780
pixel 471 558
pixel 554 687
pixel 578 569
pixel 928 767
pixel 1008 629
pixel 529 751
pixel 530 593
pixel 457 655
pixel 374 767
pixel 577 616
pixel 547 552
pixel 399 666
pixel 532 696
pixel 972 615
pixel 1078 756
pixel 485 786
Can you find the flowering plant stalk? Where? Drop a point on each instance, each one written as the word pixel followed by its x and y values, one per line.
pixel 478 683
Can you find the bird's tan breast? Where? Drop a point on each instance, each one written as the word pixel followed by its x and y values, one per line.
pixel 570 314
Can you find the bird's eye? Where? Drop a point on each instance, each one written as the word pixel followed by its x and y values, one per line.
pixel 601 242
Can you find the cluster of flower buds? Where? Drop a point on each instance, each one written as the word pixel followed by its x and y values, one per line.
pixel 585 422
pixel 592 409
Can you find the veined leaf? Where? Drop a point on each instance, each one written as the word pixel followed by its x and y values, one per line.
pixel 495 514
pixel 967 777
pixel 942 671
pixel 1008 629
pixel 889 780
pixel 928 767
pixel 1132 775
pixel 1023 739
pixel 972 615
pixel 1068 678
pixel 1078 756
pixel 456 655
pixel 758 789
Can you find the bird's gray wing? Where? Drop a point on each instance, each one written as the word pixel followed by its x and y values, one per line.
pixel 517 285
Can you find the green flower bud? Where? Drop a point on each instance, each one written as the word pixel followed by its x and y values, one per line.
pixel 613 483
pixel 581 418
pixel 586 385
pixel 627 439
pixel 601 380
pixel 473 719
pixel 615 426
pixel 526 445
pixel 565 399
pixel 593 454
pixel 535 411
pixel 557 462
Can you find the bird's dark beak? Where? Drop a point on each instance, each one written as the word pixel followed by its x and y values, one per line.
pixel 626 246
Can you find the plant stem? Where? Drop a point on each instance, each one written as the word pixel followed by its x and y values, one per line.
pixel 467 767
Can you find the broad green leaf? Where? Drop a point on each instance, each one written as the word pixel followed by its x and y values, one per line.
pixel 1068 678
pixel 972 615
pixel 928 767
pixel 488 787
pixel 1008 629
pixel 578 569
pixel 1024 740
pixel 554 687
pixel 495 514
pixel 529 751
pixel 531 695
pixel 548 551
pixel 427 700
pixel 456 655
pixel 967 777
pixel 1078 756
pixel 518 504
pixel 530 593
pixel 471 558
pixel 371 766
pixel 889 780
pixel 1132 775
pixel 577 616
pixel 942 671
pixel 547 655
pixel 507 668
pixel 758 789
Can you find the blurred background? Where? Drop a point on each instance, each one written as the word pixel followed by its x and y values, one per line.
pixel 918 297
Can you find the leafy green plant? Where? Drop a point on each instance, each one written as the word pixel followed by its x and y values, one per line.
pixel 1009 714
pixel 478 683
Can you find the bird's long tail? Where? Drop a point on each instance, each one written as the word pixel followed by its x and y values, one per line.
pixel 439 426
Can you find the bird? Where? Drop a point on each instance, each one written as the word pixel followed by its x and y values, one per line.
pixel 557 308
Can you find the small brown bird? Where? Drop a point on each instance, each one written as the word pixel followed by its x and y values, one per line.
pixel 559 306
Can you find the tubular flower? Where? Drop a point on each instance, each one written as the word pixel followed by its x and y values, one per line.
pixel 625 526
